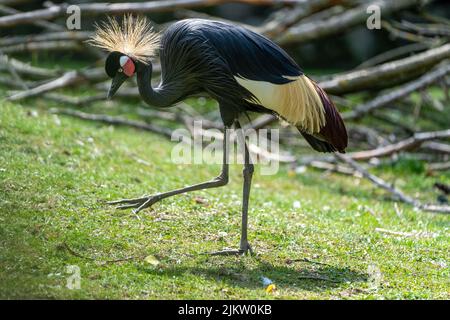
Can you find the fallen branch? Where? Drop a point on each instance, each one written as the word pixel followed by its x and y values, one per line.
pixel 408 144
pixel 386 74
pixel 39 23
pixel 55 11
pixel 48 36
pixel 26 69
pixel 114 120
pixel 287 17
pixel 393 54
pixel 67 79
pixel 316 29
pixel 398 93
pixel 396 33
pixel 62 45
pixel 414 234
pixel 440 166
pixel 384 185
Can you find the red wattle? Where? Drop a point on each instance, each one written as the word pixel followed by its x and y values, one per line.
pixel 129 68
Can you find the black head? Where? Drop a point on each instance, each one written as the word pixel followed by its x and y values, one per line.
pixel 119 67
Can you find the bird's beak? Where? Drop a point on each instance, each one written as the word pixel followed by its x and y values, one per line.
pixel 116 83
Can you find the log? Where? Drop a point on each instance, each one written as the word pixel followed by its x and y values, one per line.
pixel 115 121
pixel 408 144
pixel 384 185
pixel 398 93
pixel 312 30
pixel 55 11
pixel 384 75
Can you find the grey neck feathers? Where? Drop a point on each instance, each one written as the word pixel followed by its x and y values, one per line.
pixel 165 95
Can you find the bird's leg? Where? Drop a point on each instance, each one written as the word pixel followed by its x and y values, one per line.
pixel 244 247
pixel 248 174
pixel 147 201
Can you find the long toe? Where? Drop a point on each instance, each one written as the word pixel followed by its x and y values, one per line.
pixel 226 252
pixel 128 201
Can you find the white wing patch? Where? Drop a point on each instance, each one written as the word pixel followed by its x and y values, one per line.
pixel 297 101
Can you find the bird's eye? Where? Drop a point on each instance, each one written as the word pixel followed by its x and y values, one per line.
pixel 120 70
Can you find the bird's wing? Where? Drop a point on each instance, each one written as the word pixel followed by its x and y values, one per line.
pixel 250 55
pixel 277 82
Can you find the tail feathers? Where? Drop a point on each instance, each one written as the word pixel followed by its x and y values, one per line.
pixel 334 131
pixel 317 144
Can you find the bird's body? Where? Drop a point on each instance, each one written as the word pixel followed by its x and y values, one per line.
pixel 242 70
pixel 245 71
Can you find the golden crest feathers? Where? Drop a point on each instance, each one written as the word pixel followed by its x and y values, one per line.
pixel 135 37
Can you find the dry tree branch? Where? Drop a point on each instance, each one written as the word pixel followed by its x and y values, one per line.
pixel 47 36
pixel 56 11
pixel 408 144
pixel 396 33
pixel 287 17
pixel 393 54
pixel 440 30
pixel 12 70
pixel 26 69
pixel 398 93
pixel 387 73
pixel 67 79
pixel 303 32
pixel 384 185
pixel 440 166
pixel 115 121
pixel 57 45
pixel 39 23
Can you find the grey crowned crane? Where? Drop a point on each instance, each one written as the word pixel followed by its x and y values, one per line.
pixel 242 70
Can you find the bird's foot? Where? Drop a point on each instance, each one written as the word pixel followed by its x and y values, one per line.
pixel 244 250
pixel 137 204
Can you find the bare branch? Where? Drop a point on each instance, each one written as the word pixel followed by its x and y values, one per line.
pixel 408 144
pixel 384 185
pixel 303 32
pixel 387 73
pixel 398 93
pixel 55 11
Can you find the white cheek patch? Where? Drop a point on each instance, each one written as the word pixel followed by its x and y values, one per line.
pixel 123 61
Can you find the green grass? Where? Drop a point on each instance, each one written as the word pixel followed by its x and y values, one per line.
pixel 56 173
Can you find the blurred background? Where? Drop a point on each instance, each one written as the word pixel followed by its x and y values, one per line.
pixel 384 63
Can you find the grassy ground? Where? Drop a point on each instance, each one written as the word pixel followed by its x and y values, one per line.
pixel 57 172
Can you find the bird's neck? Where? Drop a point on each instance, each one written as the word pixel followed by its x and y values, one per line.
pixel 165 95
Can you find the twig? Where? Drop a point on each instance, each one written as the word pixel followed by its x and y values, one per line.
pixel 55 11
pixel 39 23
pixel 58 45
pixel 386 74
pixel 396 33
pixel 12 70
pixel 303 32
pixel 70 78
pixel 393 54
pixel 26 69
pixel 440 166
pixel 48 36
pixel 399 93
pixel 397 193
pixel 408 144
pixel 66 79
pixel 114 120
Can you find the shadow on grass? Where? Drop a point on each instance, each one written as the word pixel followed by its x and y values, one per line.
pixel 297 276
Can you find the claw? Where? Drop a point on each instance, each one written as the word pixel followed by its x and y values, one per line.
pixel 148 203
pixel 127 206
pixel 127 201
pixel 230 252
